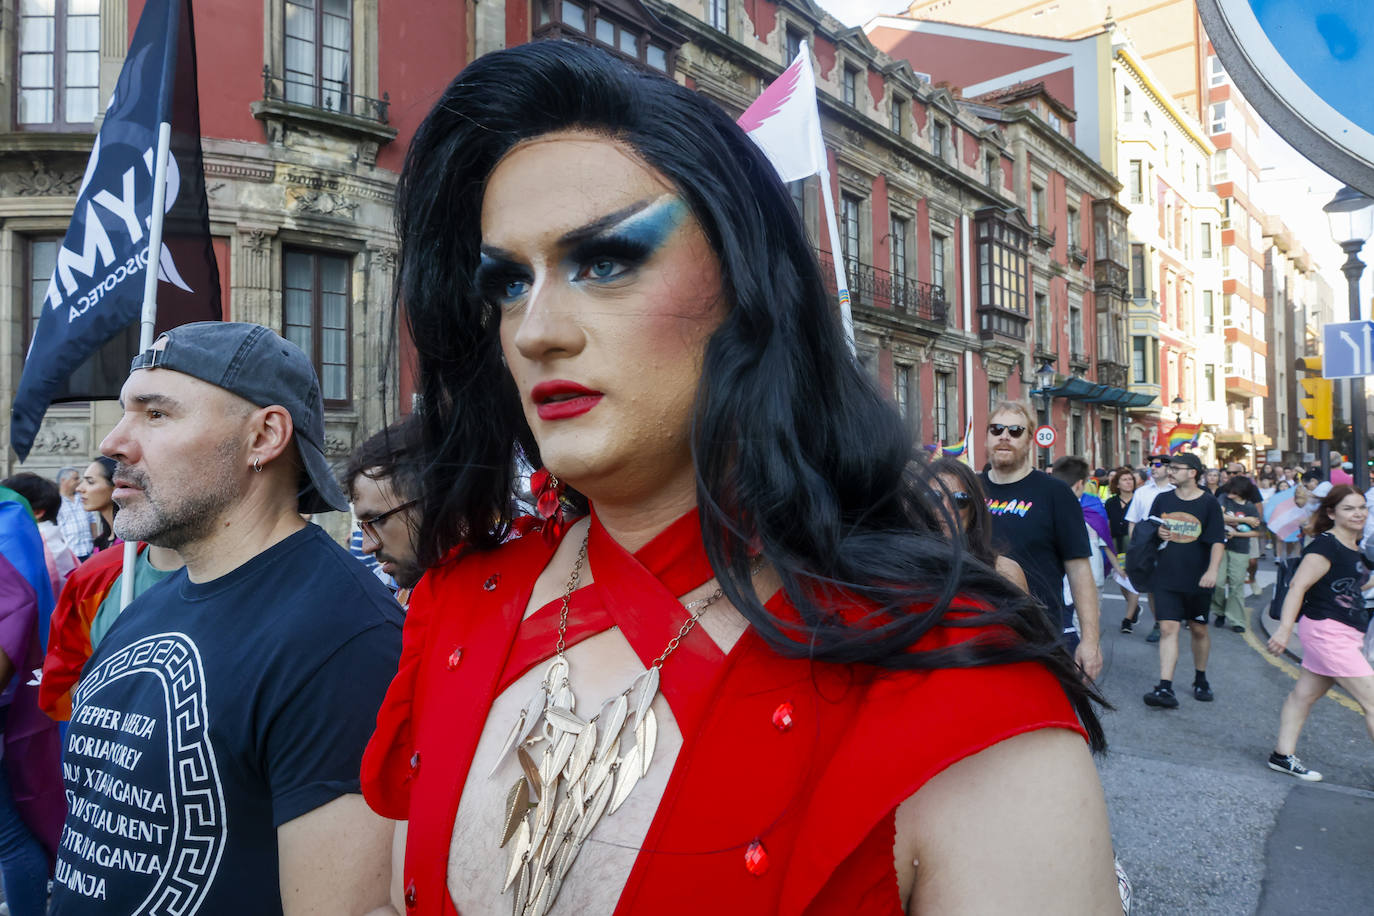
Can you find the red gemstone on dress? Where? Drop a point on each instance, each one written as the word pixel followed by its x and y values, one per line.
pixel 756 859
pixel 410 895
pixel 455 657
pixel 782 717
pixel 490 584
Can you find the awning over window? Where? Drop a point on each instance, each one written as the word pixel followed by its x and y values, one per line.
pixel 1078 389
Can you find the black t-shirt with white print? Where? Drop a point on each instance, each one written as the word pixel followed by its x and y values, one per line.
pixel 1038 522
pixel 1338 595
pixel 211 714
pixel 1197 524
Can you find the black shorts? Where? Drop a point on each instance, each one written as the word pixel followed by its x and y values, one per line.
pixel 1192 605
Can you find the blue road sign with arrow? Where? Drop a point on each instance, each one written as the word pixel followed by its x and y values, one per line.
pixel 1348 349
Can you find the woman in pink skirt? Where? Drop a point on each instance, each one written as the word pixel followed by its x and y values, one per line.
pixel 1328 591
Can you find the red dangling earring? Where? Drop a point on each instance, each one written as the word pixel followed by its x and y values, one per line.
pixel 548 503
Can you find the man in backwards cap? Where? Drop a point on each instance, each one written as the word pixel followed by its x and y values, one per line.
pixel 216 734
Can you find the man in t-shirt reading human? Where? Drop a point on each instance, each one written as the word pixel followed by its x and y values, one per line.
pixel 1038 522
pixel 216 735
pixel 1194 534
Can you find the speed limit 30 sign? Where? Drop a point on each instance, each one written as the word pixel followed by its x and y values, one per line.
pixel 1044 436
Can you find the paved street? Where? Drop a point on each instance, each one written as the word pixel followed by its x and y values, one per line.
pixel 1201 825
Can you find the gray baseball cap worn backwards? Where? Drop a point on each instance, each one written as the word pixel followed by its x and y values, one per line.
pixel 260 366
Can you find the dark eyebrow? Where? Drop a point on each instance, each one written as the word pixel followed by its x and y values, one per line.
pixel 160 401
pixel 573 236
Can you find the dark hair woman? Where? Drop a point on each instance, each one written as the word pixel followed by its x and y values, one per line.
pixel 1122 484
pixel 95 491
pixel 1328 591
pixel 599 267
pixel 966 508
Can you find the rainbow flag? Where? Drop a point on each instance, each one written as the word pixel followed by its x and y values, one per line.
pixel 1183 434
pixel 960 447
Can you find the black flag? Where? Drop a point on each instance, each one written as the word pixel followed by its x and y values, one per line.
pixel 88 330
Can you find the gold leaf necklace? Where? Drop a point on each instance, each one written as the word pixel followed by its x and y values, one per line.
pixel 578 770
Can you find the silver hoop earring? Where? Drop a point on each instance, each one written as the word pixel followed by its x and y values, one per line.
pixel 257 465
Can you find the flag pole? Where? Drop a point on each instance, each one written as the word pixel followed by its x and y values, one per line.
pixel 148 318
pixel 837 259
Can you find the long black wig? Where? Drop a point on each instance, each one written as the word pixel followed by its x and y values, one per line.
pixel 796 452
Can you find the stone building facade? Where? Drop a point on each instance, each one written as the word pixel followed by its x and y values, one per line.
pixel 307 109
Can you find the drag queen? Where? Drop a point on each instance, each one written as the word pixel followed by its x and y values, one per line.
pixel 733 666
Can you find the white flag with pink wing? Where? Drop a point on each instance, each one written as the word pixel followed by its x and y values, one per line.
pixel 786 124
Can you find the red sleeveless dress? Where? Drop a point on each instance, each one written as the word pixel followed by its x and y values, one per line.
pixel 818 796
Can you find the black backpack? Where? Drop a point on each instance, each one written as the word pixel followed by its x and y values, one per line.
pixel 1142 555
pixel 1283 579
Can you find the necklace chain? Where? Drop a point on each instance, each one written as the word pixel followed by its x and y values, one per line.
pixel 703 603
pixel 587 768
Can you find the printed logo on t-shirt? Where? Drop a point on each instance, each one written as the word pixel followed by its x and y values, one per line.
pixel 1185 526
pixel 145 808
pixel 1017 507
pixel 1348 592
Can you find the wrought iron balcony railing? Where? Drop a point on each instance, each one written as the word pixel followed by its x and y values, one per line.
pixel 873 286
pixel 324 95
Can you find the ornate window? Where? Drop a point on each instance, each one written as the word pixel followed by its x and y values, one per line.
pixel 1003 244
pixel 849 231
pixel 40 264
pixel 625 27
pixel 851 87
pixel 58 84
pixel 898 241
pixel 943 390
pixel 938 243
pixel 901 389
pixel 319 53
pixel 719 14
pixel 315 307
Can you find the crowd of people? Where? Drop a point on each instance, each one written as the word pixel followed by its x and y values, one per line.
pixel 634 597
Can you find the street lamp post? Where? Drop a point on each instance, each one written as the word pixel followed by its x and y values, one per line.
pixel 1351 215
pixel 1253 423
pixel 1044 381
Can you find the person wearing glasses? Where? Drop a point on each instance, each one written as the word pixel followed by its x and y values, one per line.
pixel 380 482
pixel 1139 510
pixel 1038 522
pixel 966 506
pixel 1194 536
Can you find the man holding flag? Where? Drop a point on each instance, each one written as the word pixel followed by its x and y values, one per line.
pixel 134 242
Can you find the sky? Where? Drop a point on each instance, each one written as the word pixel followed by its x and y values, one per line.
pixel 857 12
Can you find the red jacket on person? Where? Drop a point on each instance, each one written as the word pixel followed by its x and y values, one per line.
pixel 69 634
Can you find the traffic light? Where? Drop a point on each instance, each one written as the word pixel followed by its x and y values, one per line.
pixel 1316 400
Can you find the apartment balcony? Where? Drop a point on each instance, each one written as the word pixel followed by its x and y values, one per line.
pixel 1110 277
pixel 878 288
pixel 996 323
pixel 1079 358
pixel 1078 253
pixel 1110 372
pixel 289 106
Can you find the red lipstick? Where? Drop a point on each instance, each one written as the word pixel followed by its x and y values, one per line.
pixel 561 399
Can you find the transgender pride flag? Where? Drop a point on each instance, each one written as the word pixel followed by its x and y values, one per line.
pixel 1283 516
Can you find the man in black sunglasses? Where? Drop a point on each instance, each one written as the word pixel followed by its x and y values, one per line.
pixel 1038 522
